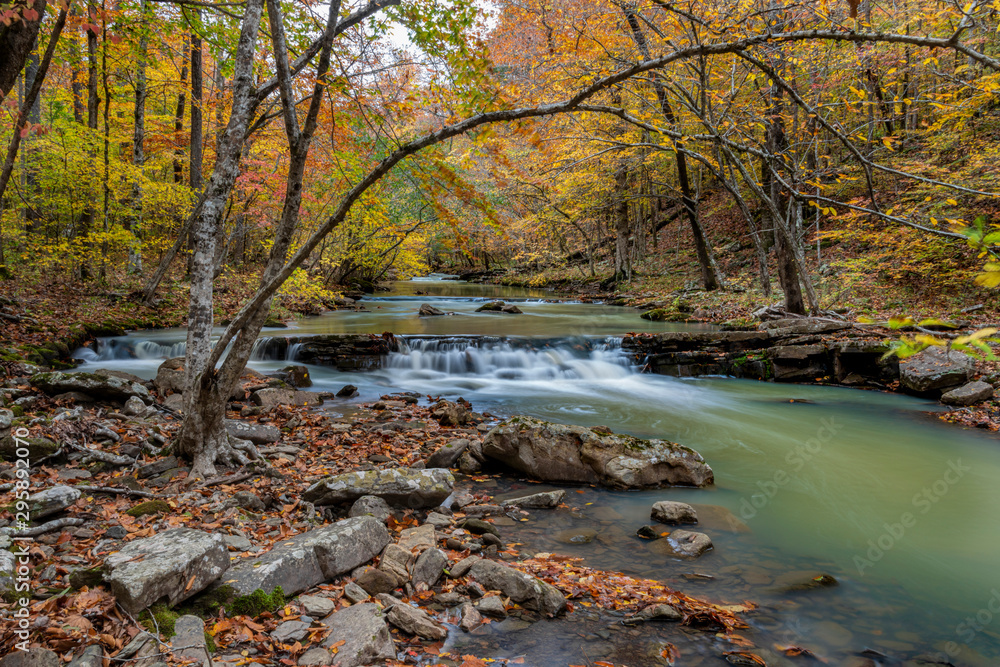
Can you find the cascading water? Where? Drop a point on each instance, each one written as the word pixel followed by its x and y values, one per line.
pixel 511 359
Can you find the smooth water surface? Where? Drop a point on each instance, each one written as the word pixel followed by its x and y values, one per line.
pixel 904 511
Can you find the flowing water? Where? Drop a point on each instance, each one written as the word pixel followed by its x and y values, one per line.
pixel 902 510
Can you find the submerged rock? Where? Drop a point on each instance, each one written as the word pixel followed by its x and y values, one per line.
pixel 683 544
pixel 398 486
pixel 970 394
pixel 499 307
pixel 562 453
pixel 670 511
pixel 935 369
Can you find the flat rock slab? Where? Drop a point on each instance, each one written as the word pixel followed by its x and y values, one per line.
pixel 113 388
pixel 52 500
pixel 33 657
pixel 970 394
pixel 410 619
pixel 364 632
pixel 545 500
pixel 273 396
pixel 405 487
pixel 421 537
pixel 175 564
pixel 530 592
pixel 307 559
pixel 563 453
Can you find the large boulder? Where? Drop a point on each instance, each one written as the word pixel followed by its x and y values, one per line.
pixel 970 394
pixel 405 487
pixel 364 632
pixel 110 388
pixel 562 453
pixel 530 592
pixel 174 564
pixel 934 370
pixel 310 558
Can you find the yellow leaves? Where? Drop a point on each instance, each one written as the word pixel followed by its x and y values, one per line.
pixel 888 142
pixel 990 277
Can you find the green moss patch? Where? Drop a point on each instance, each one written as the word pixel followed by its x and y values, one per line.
pixel 149 507
pixel 258 602
pixel 160 617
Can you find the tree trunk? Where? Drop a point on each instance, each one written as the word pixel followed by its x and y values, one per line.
pixel 196 113
pixel 623 231
pixel 17 41
pixel 179 115
pixel 134 222
pixel 30 174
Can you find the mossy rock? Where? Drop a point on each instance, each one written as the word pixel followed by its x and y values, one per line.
pixel 106 328
pixel 37 447
pixel 160 617
pixel 739 324
pixel 149 507
pixel 89 577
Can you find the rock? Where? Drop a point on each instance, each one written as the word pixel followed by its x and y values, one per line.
pixel 576 536
pixel 33 657
pixel 92 656
pixel 157 468
pixel 134 407
pixel 371 506
pixel 248 500
pixel 310 558
pixel 970 394
pixel 237 543
pixel 470 617
pixel 297 376
pixel 355 593
pixel 655 612
pixel 8 567
pixel 190 632
pixel 429 567
pixel 317 606
pixel 365 635
pixel 935 369
pixel 421 537
pixel 544 500
pixel 462 567
pixel 530 592
pixel 174 564
pixel 447 455
pixel 37 447
pixel 557 452
pixel 478 527
pixel 258 434
pixel 347 391
pixel 170 377
pixel 52 500
pixel 410 619
pixel 110 388
pixel 669 511
pixel 273 397
pixel 683 544
pixel 439 521
pixel 468 464
pixel 174 402
pixel 499 307
pixel 491 606
pixel 398 486
pixel 374 581
pixel 427 310
pixel 447 413
pixel 315 657
pixel 290 631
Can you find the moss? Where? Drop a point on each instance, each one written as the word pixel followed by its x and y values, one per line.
pixel 258 602
pixel 149 507
pixel 209 602
pixel 664 315
pixel 88 577
pixel 17 410
pixel 160 617
pixel 210 643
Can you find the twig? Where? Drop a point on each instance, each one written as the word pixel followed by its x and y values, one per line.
pixel 119 490
pixel 113 459
pixel 44 528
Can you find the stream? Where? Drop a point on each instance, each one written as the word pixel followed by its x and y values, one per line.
pixel 902 510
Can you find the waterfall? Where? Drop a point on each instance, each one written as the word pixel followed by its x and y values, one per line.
pixel 512 359
pixel 116 349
